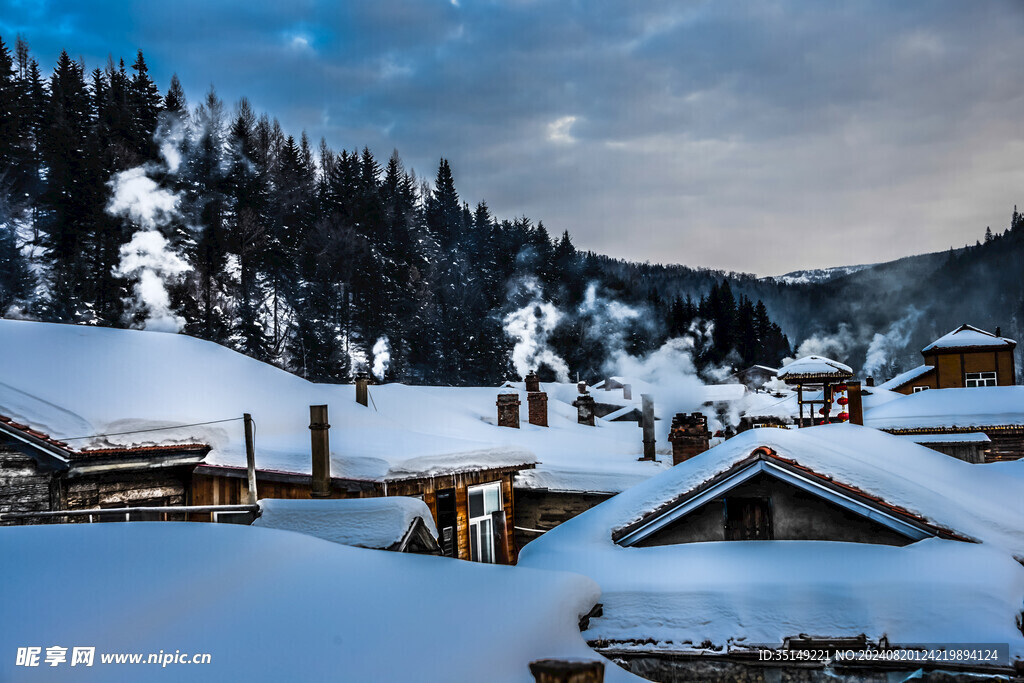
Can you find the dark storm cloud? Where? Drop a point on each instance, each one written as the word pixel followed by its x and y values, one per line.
pixel 755 136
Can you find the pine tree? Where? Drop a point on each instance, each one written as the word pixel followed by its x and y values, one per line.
pixel 67 207
pixel 146 103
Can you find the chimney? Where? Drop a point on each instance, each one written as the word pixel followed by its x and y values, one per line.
pixel 647 424
pixel 585 409
pixel 581 387
pixel 362 388
pixel 689 436
pixel 537 407
pixel 856 406
pixel 868 382
pixel 627 392
pixel 532 381
pixel 508 409
pixel 318 430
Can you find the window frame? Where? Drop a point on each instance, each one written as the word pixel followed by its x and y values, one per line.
pixel 481 522
pixel 981 379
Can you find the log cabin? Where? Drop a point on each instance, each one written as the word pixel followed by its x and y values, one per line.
pixel 40 474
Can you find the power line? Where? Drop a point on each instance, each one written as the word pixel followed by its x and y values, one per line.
pixel 154 429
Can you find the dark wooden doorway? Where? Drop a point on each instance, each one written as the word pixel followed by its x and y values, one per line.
pixel 748 519
pixel 447 522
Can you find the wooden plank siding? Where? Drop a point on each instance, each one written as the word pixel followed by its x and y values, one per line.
pixel 24 486
pixel 229 486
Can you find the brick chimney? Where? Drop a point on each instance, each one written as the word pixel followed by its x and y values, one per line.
pixel 362 388
pixel 868 382
pixel 581 387
pixel 508 409
pixel 585 409
pixel 856 406
pixel 536 401
pixel 689 436
pixel 532 381
pixel 318 432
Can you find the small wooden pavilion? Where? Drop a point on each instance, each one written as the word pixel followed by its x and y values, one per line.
pixel 819 381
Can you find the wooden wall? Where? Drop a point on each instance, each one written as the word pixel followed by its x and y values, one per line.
pixel 24 486
pixel 544 510
pixel 950 368
pixel 219 486
pixel 1007 444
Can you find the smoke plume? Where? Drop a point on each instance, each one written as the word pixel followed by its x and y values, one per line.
pixel 135 196
pixel 531 327
pixel 148 257
pixel 381 358
pixel 884 346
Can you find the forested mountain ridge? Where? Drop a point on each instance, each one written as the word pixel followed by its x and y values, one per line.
pixel 124 205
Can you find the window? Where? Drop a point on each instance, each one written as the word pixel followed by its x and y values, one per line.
pixel 917 389
pixel 483 500
pixel 980 379
pixel 748 519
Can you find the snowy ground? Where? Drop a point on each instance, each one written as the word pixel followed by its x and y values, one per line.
pixel 271 605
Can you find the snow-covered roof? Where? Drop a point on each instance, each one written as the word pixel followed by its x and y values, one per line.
pixel 70 381
pixel 719 393
pixel 966 438
pixel 965 337
pixel 906 377
pixel 324 611
pixel 815 366
pixel 970 408
pixel 74 381
pixel 735 593
pixel 364 522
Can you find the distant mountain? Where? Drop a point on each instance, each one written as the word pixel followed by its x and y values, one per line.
pixel 805 277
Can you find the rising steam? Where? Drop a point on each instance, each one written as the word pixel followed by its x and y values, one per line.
pixel 148 257
pixel 381 358
pixel 531 326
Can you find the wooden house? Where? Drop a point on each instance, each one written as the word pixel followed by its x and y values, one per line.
pixel 472 506
pixel 966 357
pixel 754 377
pixel 41 474
pixel 979 424
pixel 777 541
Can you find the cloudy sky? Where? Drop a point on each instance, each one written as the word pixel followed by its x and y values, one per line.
pixel 762 137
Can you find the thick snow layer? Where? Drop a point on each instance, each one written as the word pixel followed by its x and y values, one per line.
pixel 904 377
pixel 815 366
pixel 967 336
pixel 71 381
pixel 364 522
pixel 745 594
pixel 269 605
pixel 972 407
pixel 960 438
pixel 759 592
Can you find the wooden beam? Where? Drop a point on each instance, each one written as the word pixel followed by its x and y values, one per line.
pixel 250 457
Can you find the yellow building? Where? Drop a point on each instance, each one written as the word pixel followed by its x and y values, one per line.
pixel 966 357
